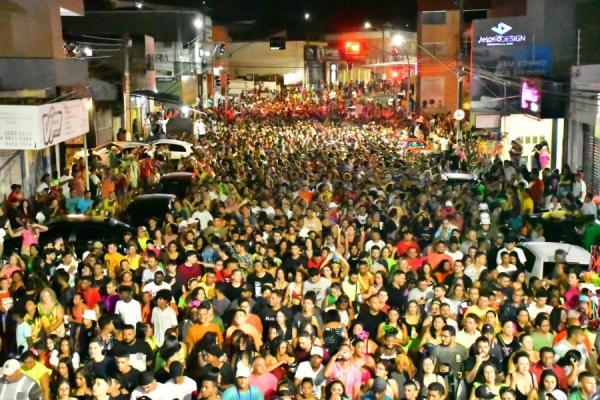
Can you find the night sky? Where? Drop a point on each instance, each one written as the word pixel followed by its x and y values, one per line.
pixel 261 18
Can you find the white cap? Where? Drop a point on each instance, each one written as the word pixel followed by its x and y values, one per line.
pixel 333 205
pixel 448 203
pixel 40 217
pixel 10 367
pixel 483 207
pixel 242 371
pixel 85 255
pixel 485 221
pixel 183 225
pixel 90 314
pixel 316 351
pixel 557 394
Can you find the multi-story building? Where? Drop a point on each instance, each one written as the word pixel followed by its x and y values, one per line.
pixel 43 93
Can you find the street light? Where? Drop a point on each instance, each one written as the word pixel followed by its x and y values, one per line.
pixel 306 16
pixel 368 25
pixel 198 23
pixel 398 40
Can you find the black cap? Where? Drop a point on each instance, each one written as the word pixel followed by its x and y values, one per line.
pixel 487 328
pixel 484 392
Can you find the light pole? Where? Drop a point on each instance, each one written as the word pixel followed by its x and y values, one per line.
pixel 398 41
pixel 368 26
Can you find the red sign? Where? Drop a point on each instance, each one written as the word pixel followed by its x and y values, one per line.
pixel 352 48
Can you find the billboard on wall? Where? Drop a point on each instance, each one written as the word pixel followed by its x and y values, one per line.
pixel 36 127
pixel 503 51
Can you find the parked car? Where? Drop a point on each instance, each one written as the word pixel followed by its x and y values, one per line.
pixel 80 230
pixel 144 206
pixel 541 257
pixel 103 150
pixel 177 149
pixel 177 183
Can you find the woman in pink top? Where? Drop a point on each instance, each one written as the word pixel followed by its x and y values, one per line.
pixel 544 157
pixel 30 234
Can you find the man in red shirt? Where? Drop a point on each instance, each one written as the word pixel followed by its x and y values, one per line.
pixel 547 362
pixel 90 294
pixel 408 241
pixel 536 190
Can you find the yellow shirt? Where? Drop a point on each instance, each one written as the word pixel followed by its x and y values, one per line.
pixel 37 372
pixel 134 263
pixel 527 206
pixel 209 290
pixel 113 263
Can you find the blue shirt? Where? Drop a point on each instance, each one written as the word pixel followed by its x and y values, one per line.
pixel 83 205
pixel 232 393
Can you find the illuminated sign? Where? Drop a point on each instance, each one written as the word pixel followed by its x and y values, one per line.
pixel 531 98
pixel 352 48
pixel 501 38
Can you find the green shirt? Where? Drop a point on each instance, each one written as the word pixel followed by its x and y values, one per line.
pixel 542 340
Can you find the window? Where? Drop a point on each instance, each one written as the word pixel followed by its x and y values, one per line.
pixel 176 148
pixel 434 17
pixel 437 49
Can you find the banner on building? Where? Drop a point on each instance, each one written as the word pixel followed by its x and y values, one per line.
pixel 36 127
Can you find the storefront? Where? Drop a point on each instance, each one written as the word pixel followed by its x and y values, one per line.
pixel 30 137
pixel 584 123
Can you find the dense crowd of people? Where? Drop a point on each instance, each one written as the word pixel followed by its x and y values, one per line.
pixel 312 259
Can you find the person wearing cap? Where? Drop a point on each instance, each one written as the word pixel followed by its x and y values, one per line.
pixel 242 389
pixel 148 386
pixel 377 391
pixel 13 381
pixel 313 369
pixel 180 386
pixel 484 392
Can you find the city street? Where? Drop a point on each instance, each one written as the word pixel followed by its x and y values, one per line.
pixel 202 200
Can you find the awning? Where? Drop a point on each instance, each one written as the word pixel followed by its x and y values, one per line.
pixel 162 97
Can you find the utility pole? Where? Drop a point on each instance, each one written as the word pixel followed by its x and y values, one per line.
pixel 461 54
pixel 126 121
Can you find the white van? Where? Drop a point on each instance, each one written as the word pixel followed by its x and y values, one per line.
pixel 541 262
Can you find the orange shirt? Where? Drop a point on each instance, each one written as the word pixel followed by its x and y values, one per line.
pixel 197 332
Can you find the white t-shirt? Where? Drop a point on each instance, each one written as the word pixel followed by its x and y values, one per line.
pixel 160 393
pixel 203 217
pixel 162 320
pixel 304 370
pixel 130 313
pixel 181 391
pixel 534 310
